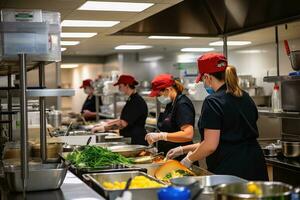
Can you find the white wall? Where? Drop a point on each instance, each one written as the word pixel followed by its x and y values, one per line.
pixel 75 77
pixel 260 60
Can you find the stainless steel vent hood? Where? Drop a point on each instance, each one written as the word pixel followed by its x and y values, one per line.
pixel 215 18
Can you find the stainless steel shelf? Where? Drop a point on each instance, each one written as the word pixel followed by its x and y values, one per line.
pixel 280 78
pixel 269 113
pixel 50 92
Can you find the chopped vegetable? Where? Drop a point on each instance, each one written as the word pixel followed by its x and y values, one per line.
pixel 95 157
pixel 176 174
pixel 137 182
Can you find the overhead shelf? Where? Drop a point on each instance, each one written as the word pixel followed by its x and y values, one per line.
pixel 50 92
pixel 283 114
pixel 280 78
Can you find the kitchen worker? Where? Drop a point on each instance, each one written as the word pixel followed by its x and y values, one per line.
pixel 176 123
pixel 88 109
pixel 133 115
pixel 227 125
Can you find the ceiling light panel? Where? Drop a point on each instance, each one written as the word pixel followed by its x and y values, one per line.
pixel 69 43
pixel 230 43
pixel 88 23
pixel 77 35
pixel 68 66
pixel 132 47
pixel 197 49
pixel 115 6
pixel 169 37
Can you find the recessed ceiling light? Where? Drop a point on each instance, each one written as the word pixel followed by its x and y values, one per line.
pixel 252 51
pixel 77 35
pixel 197 49
pixel 63 49
pixel 69 43
pixel 88 23
pixel 68 66
pixel 115 6
pixel 132 47
pixel 169 37
pixel 230 43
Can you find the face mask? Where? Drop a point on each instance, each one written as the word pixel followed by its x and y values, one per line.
pixel 208 89
pixel 164 100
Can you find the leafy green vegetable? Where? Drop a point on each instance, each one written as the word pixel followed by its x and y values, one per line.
pixel 95 157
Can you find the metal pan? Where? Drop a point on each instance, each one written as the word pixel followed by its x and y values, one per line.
pixel 291 149
pixel 128 150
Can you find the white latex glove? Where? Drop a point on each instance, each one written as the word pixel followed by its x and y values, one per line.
pixel 186 161
pixel 98 129
pixel 175 152
pixel 154 137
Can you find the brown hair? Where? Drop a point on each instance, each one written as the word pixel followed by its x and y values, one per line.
pixel 231 80
pixel 178 86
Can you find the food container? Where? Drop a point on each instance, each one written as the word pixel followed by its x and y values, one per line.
pixel 291 149
pixel 12 150
pixel 253 191
pixel 53 150
pixel 52 176
pixel 205 184
pixel 54 118
pixel 151 167
pixel 128 150
pixel 137 194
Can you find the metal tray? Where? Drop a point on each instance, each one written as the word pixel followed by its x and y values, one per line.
pixel 137 194
pixel 128 150
pixel 52 175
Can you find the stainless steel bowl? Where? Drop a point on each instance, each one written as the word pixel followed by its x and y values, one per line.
pixel 253 191
pixel 128 150
pixel 295 60
pixel 291 149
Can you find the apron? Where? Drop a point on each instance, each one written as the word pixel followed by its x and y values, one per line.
pixel 166 123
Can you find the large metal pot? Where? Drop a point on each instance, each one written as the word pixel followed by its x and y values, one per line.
pixel 254 191
pixel 54 118
pixel 295 60
pixel 291 149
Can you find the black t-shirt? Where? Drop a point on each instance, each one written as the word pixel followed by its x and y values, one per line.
pixel 176 114
pixel 90 104
pixel 135 113
pixel 238 152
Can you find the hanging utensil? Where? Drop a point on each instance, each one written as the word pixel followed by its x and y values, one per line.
pixel 294 56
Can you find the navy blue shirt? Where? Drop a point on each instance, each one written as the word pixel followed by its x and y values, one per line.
pixel 238 152
pixel 135 113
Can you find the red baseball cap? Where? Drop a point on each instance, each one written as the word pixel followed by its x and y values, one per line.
pixel 161 82
pixel 211 63
pixel 126 79
pixel 86 83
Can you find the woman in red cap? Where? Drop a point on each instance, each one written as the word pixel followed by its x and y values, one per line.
pixel 227 124
pixel 133 116
pixel 88 109
pixel 177 122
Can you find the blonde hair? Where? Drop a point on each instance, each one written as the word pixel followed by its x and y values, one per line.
pixel 178 86
pixel 232 82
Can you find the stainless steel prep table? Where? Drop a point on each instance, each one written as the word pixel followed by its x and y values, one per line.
pixel 72 188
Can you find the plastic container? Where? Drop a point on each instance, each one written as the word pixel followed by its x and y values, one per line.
pixel 171 193
pixel 276 100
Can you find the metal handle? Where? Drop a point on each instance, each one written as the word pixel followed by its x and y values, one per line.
pixel 85 177
pixel 287 48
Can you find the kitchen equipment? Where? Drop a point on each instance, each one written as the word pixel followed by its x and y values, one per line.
pixel 53 150
pixel 137 194
pixel 291 149
pixel 148 159
pixel 294 56
pixel 272 149
pixel 12 150
pixel 54 118
pixel 52 175
pixel 128 150
pixel 253 191
pixel 205 183
pixel 290 95
pixel 151 167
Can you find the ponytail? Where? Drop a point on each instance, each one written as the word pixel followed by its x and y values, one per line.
pixel 178 87
pixel 232 82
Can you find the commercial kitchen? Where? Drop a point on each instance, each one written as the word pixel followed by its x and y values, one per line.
pixel 149 99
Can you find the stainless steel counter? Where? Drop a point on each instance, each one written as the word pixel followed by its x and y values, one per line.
pixel 72 189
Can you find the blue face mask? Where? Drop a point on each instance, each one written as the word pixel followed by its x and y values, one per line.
pixel 208 89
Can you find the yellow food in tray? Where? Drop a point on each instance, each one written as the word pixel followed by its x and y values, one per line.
pixel 136 183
